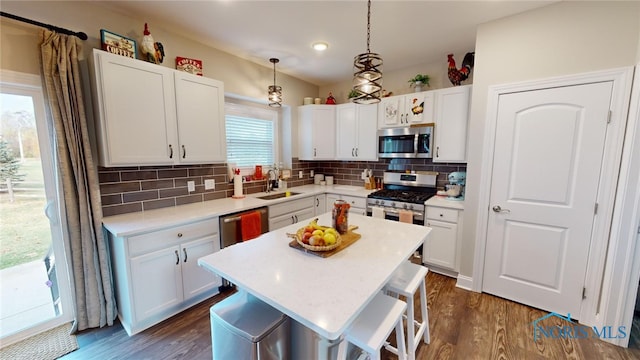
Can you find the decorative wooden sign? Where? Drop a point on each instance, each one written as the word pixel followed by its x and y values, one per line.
pixel 192 66
pixel 117 44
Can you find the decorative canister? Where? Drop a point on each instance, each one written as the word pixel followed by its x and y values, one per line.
pixel 340 216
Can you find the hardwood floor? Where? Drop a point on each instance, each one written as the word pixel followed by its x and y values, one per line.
pixel 464 325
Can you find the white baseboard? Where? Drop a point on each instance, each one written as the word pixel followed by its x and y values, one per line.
pixel 465 282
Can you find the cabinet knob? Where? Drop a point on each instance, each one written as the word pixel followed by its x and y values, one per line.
pixel 441 215
pixel 179 235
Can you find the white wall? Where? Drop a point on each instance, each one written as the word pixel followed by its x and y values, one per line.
pixel 397 81
pixel 563 38
pixel 20 53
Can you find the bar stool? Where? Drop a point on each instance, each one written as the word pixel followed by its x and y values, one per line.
pixel 372 327
pixel 405 281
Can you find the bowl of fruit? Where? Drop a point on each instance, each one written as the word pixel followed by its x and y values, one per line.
pixel 316 237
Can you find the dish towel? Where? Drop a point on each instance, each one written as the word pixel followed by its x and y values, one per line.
pixel 250 225
pixel 377 212
pixel 406 216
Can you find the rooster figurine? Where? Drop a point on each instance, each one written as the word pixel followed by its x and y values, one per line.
pixel 457 76
pixel 154 51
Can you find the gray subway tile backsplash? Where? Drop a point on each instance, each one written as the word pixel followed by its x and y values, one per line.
pixel 135 189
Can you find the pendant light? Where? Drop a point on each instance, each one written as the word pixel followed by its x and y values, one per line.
pixel 275 91
pixel 367 72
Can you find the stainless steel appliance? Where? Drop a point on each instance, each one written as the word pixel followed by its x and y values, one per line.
pixel 403 191
pixel 230 230
pixel 406 142
pixel 230 226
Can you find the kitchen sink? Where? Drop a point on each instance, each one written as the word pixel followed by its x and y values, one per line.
pixel 277 196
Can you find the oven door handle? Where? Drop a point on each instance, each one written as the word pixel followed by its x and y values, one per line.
pixel 394 211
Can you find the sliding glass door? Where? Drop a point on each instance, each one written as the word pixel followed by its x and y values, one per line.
pixel 34 281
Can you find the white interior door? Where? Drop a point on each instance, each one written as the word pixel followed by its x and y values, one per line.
pixel 547 158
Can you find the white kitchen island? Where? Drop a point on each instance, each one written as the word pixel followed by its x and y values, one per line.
pixel 322 294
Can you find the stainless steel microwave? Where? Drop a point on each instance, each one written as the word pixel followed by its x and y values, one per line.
pixel 406 142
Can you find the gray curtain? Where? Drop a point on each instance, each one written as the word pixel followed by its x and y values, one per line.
pixel 88 254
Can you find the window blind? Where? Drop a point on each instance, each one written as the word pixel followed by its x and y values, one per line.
pixel 250 136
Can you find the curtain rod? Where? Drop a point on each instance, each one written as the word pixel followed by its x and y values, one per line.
pixel 80 35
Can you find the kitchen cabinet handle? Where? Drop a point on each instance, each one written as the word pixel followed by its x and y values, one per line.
pixel 317 202
pixel 184 152
pixel 170 152
pixel 314 151
pixel 438 151
pixel 356 152
pixel 293 220
pixel 401 121
pixel 352 152
pixel 184 250
pixel 177 257
pixel 296 216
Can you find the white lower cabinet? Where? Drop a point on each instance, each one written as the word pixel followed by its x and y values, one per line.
pixel 157 273
pixel 321 204
pixel 442 246
pixel 291 212
pixel 358 205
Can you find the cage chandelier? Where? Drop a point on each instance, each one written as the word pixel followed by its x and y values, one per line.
pixel 275 91
pixel 367 71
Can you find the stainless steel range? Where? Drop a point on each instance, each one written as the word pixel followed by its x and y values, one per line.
pixel 403 191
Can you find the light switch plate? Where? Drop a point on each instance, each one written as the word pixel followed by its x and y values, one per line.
pixel 209 184
pixel 300 174
pixel 311 173
pixel 191 186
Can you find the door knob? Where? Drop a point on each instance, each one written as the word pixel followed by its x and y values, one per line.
pixel 498 209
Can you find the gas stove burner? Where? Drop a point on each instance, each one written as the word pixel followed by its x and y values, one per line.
pixel 416 197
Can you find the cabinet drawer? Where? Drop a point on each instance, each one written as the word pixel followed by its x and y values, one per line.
pixel 291 206
pixel 443 214
pixel 145 243
pixel 354 201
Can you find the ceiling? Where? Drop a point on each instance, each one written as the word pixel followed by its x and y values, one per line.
pixel 404 33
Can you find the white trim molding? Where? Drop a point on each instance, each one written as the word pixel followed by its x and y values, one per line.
pixel 464 282
pixel 621 78
pixel 622 274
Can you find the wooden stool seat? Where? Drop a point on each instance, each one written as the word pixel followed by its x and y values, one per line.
pixel 406 280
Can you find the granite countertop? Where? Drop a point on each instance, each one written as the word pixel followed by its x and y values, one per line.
pixel 139 222
pixel 323 294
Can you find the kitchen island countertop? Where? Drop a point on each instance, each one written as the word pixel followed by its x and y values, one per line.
pixel 323 294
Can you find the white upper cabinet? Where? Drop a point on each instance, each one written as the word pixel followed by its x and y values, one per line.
pixel 200 109
pixel 152 115
pixel 451 122
pixel 356 132
pixel 135 108
pixel 405 110
pixel 317 132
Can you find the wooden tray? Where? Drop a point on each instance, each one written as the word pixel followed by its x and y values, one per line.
pixel 348 238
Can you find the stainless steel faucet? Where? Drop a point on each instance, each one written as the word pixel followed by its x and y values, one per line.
pixel 269 183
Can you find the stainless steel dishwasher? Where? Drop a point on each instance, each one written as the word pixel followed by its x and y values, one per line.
pixel 230 231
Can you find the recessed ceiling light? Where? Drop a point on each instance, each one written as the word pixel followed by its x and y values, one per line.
pixel 320 46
